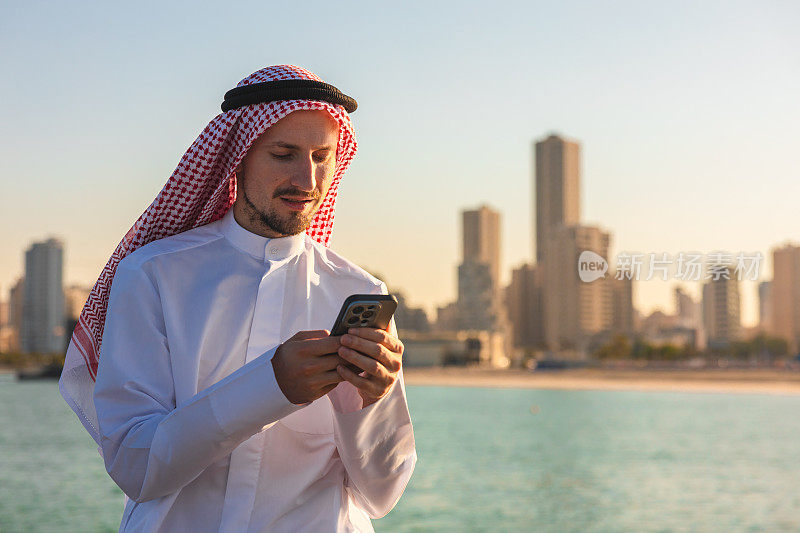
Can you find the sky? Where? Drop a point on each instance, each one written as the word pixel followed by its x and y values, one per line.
pixel 687 114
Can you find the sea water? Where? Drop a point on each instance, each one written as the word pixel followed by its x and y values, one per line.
pixel 489 460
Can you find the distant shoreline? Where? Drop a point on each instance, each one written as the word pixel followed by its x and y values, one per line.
pixel 740 381
pixel 748 381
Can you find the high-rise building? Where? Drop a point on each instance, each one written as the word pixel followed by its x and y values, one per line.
pixel 574 310
pixel 688 323
pixel 43 320
pixel 687 311
pixel 524 305
pixel 721 308
pixel 6 332
pixel 786 294
pixel 557 189
pixel 476 297
pixel 621 294
pixel 479 301
pixel 16 299
pixel 481 239
pixel 765 307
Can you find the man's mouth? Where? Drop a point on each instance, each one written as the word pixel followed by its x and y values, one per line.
pixel 296 203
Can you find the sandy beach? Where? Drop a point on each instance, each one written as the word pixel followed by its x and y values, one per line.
pixel 755 381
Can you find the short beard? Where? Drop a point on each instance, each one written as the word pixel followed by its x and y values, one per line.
pixel 295 223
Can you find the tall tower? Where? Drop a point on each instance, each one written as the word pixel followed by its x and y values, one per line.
pixel 481 242
pixel 524 303
pixel 765 306
pixel 479 271
pixel 686 309
pixel 43 305
pixel 721 308
pixel 621 294
pixel 575 310
pixel 16 303
pixel 786 294
pixel 557 196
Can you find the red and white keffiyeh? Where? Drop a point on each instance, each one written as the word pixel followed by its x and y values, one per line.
pixel 200 191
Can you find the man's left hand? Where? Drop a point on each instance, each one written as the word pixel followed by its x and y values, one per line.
pixel 379 354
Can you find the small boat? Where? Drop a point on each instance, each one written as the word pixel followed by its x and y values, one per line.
pixel 556 364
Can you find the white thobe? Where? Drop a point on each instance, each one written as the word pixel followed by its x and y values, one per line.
pixel 194 427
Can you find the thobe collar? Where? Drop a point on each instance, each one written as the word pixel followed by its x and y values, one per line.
pixel 261 248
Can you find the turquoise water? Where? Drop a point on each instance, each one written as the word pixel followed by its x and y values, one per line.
pixel 489 460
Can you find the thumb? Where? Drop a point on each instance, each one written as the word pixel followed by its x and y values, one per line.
pixel 308 335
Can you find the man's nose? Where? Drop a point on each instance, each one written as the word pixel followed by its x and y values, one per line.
pixel 304 176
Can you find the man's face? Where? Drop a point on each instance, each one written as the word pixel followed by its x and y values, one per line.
pixel 286 174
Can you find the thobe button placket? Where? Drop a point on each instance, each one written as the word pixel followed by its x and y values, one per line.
pixel 245 464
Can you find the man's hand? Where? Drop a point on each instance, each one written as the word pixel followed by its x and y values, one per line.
pixel 378 353
pixel 305 365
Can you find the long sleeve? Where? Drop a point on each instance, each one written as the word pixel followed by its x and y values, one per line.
pixel 376 445
pixel 152 447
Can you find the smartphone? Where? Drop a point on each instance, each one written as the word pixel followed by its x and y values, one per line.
pixel 365 311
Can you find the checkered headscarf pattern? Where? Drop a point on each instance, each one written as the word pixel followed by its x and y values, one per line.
pixel 203 187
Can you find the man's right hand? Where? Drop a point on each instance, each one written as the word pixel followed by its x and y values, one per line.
pixel 305 365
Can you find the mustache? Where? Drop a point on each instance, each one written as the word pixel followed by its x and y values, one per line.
pixel 294 191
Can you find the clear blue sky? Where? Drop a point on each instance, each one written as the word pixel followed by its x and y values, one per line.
pixel 688 114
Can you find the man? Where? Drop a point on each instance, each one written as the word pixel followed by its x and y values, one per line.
pixel 208 378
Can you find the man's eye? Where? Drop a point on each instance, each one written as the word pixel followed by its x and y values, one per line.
pixel 319 158
pixel 282 157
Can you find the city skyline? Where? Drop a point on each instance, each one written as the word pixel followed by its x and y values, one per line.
pixel 748 306
pixel 687 116
pixel 548 305
pixel 676 285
